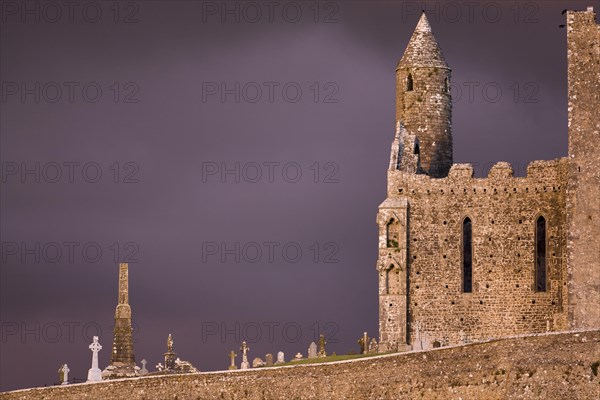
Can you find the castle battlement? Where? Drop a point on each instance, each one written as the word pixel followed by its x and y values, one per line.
pixel 542 176
pixel 462 258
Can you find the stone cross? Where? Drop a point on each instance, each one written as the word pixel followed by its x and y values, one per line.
pixel 64 371
pixel 322 343
pixel 361 343
pixel 143 371
pixel 94 373
pixel 244 349
pixel 312 350
pixel 232 357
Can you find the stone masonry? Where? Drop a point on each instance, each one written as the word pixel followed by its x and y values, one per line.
pixel 513 277
pixel 122 359
pixel 550 367
pixel 583 200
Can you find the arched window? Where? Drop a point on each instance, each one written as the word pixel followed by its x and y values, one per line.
pixel 445 85
pixel 392 280
pixel 417 150
pixel 409 83
pixel 540 255
pixel 467 256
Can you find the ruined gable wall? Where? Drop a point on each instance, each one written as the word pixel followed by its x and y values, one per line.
pixel 503 210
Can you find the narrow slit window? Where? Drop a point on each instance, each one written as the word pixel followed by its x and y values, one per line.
pixel 446 85
pixel 540 255
pixel 409 83
pixel 467 256
pixel 387 282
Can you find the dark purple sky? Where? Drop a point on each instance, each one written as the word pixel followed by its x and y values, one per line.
pixel 158 125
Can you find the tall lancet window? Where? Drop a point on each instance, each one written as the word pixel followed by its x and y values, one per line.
pixel 540 254
pixel 467 256
pixel 409 83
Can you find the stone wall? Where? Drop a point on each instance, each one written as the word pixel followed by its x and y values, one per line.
pixel 556 366
pixel 583 207
pixel 503 210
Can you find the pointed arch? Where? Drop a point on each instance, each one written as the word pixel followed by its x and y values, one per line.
pixel 409 83
pixel 392 233
pixel 392 279
pixel 467 255
pixel 540 254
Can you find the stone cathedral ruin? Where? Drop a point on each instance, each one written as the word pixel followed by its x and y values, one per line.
pixel 460 259
pixel 464 259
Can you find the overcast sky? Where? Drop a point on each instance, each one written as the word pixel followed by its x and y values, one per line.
pixel 236 159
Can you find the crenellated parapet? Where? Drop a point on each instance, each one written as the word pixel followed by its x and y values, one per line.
pixel 541 176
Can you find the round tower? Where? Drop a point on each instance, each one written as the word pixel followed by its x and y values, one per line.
pixel 423 100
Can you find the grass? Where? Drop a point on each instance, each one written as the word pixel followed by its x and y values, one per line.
pixel 321 360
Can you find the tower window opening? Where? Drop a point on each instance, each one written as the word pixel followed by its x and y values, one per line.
pixel 392 280
pixel 540 255
pixel 409 83
pixel 467 256
pixel 392 233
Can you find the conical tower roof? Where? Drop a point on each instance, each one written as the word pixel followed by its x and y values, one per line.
pixel 423 50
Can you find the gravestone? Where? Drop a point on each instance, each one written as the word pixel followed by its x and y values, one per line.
pixel 322 343
pixel 297 357
pixel 244 349
pixel 143 371
pixel 312 350
pixel 63 374
pixel 232 357
pixel 94 373
pixel 269 360
pixel 280 358
pixel 373 346
pixel 257 363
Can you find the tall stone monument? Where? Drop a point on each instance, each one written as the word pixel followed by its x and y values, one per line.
pixel 244 349
pixel 322 343
pixel 94 373
pixel 170 355
pixel 63 374
pixel 122 359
